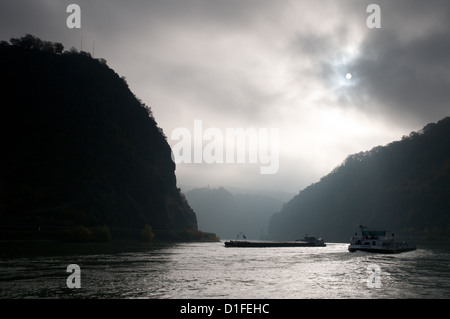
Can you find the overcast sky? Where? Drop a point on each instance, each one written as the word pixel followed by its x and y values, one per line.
pixel 266 64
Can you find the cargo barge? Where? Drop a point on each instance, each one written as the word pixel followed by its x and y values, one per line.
pixel 306 242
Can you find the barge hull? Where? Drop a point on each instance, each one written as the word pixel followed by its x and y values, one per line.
pixel 382 251
pixel 245 244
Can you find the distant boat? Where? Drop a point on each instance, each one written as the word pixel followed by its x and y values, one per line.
pixel 378 241
pixel 305 242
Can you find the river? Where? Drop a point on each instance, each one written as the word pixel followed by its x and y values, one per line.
pixel 121 270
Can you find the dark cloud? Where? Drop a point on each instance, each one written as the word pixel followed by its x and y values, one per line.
pixel 403 71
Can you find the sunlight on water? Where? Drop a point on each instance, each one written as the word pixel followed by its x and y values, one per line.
pixel 209 270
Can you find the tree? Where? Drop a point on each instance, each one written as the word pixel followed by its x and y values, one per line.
pixel 59 48
pixel 31 42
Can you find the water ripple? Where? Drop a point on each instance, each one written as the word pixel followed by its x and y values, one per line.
pixel 209 270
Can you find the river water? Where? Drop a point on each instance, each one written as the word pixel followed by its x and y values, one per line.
pixel 211 271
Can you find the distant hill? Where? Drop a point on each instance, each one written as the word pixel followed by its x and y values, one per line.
pixel 228 214
pixel 78 147
pixel 402 187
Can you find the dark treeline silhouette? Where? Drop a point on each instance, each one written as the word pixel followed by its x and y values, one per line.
pixel 227 214
pixel 404 187
pixel 78 147
pixel 30 42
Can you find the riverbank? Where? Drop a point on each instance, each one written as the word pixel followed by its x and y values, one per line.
pixel 101 234
pixel 52 248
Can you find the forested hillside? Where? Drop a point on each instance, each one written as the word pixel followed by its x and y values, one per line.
pixel 78 147
pixel 403 187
